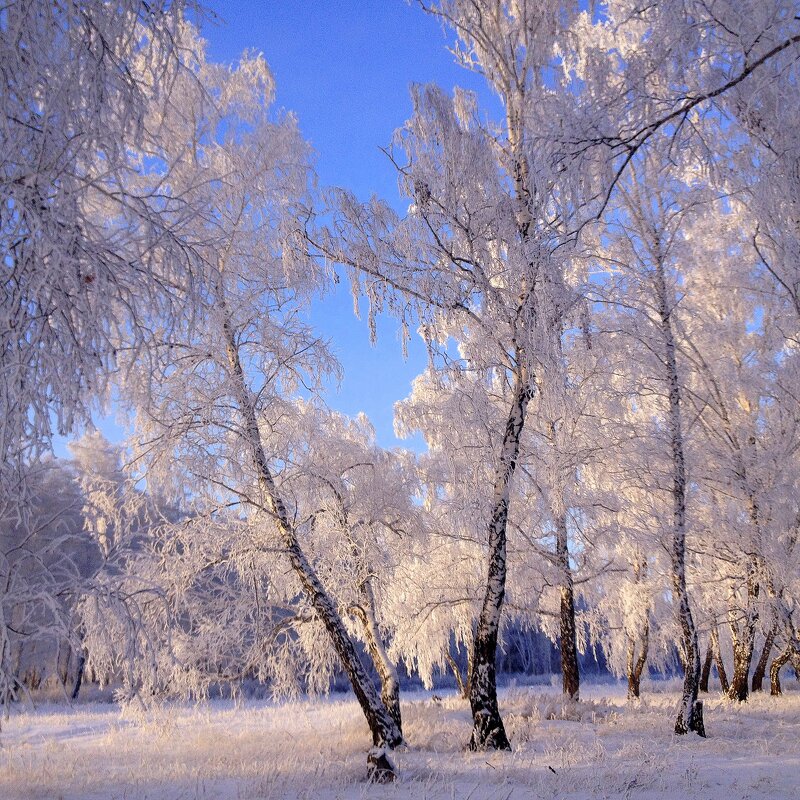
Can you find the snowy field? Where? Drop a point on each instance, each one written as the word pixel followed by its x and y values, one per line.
pixel 602 747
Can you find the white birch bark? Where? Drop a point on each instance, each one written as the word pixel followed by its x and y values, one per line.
pixel 384 729
pixel 690 714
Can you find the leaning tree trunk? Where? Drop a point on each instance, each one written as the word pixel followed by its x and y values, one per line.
pixel 385 733
pixel 761 667
pixel 385 667
pixel 488 731
pixel 570 672
pixel 690 716
pixel 792 650
pixel 461 680
pixel 775 670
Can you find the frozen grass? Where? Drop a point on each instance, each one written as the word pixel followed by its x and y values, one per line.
pixel 602 747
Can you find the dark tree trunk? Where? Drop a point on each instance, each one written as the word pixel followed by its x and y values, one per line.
pixel 706 672
pixel 738 690
pixel 720 664
pixel 63 658
pixel 570 672
pixel 761 667
pixel 380 768
pixel 743 635
pixel 79 676
pixel 488 731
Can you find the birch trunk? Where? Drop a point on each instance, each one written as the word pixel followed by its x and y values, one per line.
pixel 463 683
pixel 570 672
pixel 723 675
pixel 78 677
pixel 384 666
pixel 385 732
pixel 761 667
pixel 636 664
pixel 690 716
pixel 775 670
pixel 744 635
pixel 367 615
pixel 705 674
pixel 792 650
pixel 488 731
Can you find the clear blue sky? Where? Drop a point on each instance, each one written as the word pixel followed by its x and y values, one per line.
pixel 344 67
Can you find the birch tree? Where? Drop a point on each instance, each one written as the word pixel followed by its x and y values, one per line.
pixel 476 257
pixel 652 236
pixel 86 249
pixel 215 392
pixel 45 558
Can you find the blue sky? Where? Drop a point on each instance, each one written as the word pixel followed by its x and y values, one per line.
pixel 344 67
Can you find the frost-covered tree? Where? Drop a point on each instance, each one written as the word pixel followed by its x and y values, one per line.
pixel 650 244
pixel 357 499
pixel 45 559
pixel 749 444
pixel 649 74
pixel 477 258
pixel 213 393
pixel 480 257
pixel 89 249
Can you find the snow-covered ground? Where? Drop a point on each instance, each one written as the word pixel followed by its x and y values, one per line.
pixel 602 747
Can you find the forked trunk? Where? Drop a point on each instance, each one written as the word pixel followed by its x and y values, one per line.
pixel 570 672
pixel 488 731
pixel 743 634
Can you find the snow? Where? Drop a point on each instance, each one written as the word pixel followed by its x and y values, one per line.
pixel 600 747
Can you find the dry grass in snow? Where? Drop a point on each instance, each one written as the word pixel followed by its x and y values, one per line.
pixel 602 747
